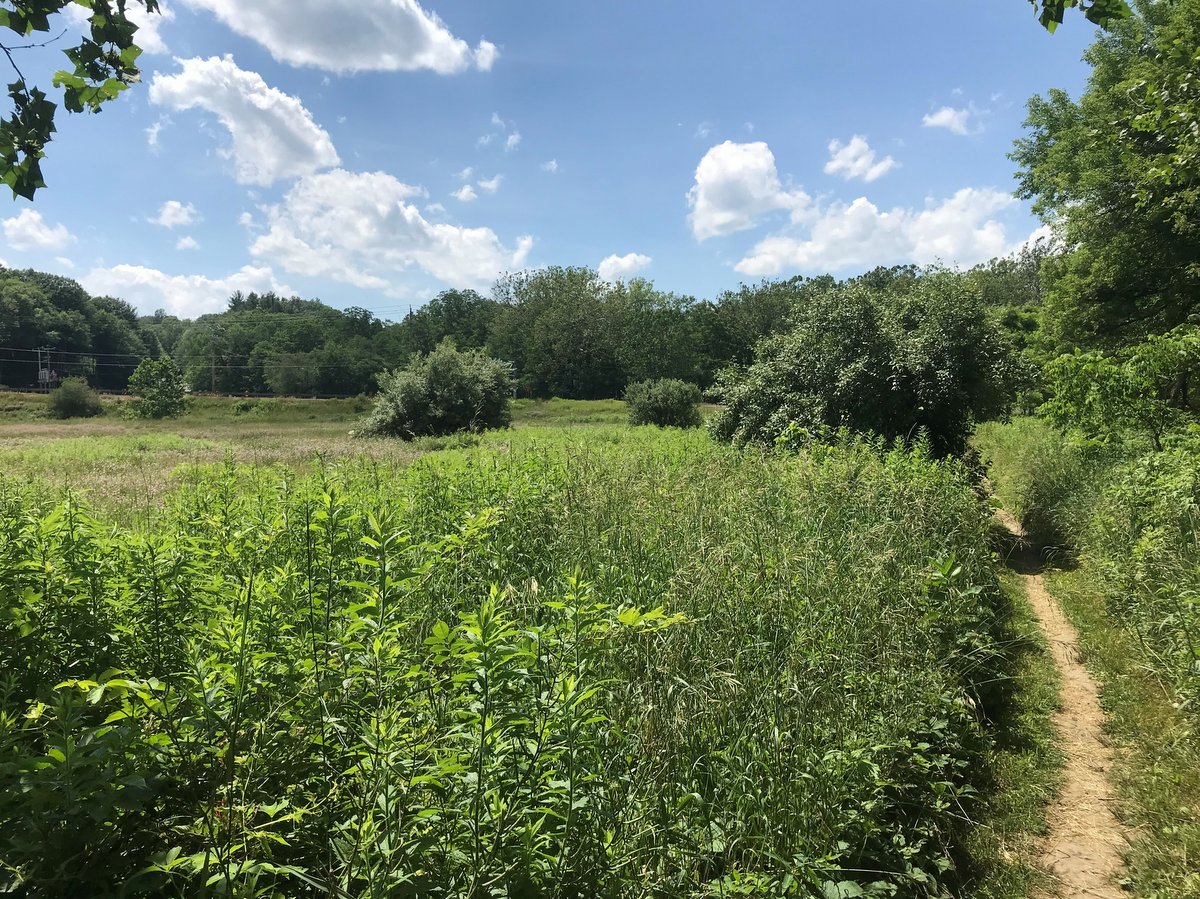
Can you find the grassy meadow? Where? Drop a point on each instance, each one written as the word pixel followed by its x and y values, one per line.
pixel 247 655
pixel 126 466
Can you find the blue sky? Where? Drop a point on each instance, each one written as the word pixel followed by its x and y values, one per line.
pixel 374 152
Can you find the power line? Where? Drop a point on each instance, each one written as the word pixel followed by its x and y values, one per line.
pixel 190 357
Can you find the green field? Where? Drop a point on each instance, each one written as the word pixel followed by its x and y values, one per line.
pixel 249 655
pixel 127 465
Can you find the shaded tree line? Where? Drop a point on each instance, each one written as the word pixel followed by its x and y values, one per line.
pixel 97 338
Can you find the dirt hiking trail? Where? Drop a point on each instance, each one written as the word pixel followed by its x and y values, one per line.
pixel 1082 850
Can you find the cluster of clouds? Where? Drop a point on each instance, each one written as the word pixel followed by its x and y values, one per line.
pixel 362 228
pixel 368 229
pixel 182 295
pixel 273 137
pixel 856 159
pixel 619 268
pixel 502 132
pixel 963 121
pixel 363 36
pixel 738 187
pixel 27 230
pixel 466 193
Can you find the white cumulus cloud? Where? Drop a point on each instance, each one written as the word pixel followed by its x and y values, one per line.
pixel 958 230
pixel 154 130
pixel 618 268
pixel 465 194
pixel 173 214
pixel 273 135
pixel 513 141
pixel 957 121
pixel 736 185
pixel 360 228
pixel 352 35
pixel 857 160
pixel 184 295
pixel 490 185
pixel 27 230
pixel 187 243
pixel 550 166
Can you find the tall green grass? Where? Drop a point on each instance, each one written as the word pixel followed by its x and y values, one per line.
pixel 1132 514
pixel 641 665
pixel 1131 517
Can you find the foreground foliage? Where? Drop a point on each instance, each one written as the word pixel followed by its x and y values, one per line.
pixel 642 666
pixel 104 64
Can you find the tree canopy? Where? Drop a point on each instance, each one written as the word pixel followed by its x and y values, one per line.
pixel 99 338
pixel 102 65
pixel 1115 172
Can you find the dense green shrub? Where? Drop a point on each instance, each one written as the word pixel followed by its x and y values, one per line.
pixel 75 399
pixel 158 387
pixel 703 672
pixel 442 393
pixel 893 357
pixel 665 402
pixel 1140 392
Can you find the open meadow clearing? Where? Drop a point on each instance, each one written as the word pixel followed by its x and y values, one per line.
pixel 490 450
pixel 586 660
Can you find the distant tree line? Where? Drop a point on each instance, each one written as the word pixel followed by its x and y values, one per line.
pixel 565 331
pixel 97 338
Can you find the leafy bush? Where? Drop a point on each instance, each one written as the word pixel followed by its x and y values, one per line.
pixel 442 393
pixel 892 357
pixel 74 399
pixel 665 402
pixel 1140 392
pixel 158 387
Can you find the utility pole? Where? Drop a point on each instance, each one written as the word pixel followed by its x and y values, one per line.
pixel 43 368
pixel 212 348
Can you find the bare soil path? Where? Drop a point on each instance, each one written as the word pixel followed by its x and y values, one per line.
pixel 1083 848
